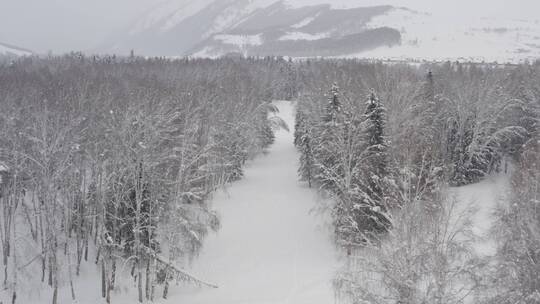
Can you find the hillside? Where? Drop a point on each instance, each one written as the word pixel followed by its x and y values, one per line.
pixel 380 29
pixel 10 50
pixel 265 27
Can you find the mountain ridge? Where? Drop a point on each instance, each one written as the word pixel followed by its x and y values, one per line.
pixel 12 50
pixel 380 29
pixel 200 29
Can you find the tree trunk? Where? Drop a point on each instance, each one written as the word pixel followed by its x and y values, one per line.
pixel 43 251
pixel 109 288
pixel 69 268
pixel 139 285
pixel 50 281
pixel 166 288
pixel 153 280
pixel 113 274
pixel 98 254
pixel 55 295
pixel 103 278
pixel 147 281
pixel 43 267
pixel 86 249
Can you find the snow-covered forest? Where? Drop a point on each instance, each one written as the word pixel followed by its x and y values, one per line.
pixel 112 168
pixel 388 145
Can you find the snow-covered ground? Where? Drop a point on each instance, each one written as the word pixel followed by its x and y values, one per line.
pixel 303 36
pixel 270 248
pixel 435 36
pixel 483 198
pixel 240 40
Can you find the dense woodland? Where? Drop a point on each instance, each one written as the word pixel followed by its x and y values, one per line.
pixel 388 144
pixel 112 161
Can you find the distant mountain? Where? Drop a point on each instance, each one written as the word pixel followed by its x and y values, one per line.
pixel 301 31
pixel 339 28
pixel 11 50
pixel 254 27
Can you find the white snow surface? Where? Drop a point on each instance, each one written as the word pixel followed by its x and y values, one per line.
pixel 240 40
pixel 270 248
pixel 305 22
pixel 483 197
pixel 437 36
pixel 303 36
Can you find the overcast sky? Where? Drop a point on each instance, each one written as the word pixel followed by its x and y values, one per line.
pixel 64 25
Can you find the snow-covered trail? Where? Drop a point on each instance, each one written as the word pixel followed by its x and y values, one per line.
pixel 270 248
pixel 483 197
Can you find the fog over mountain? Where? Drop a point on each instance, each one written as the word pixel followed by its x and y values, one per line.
pixel 11 50
pixel 484 30
pixel 65 25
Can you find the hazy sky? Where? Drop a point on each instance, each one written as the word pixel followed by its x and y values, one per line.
pixel 63 25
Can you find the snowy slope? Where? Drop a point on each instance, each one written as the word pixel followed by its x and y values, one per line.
pixel 174 27
pixel 438 37
pixel 182 27
pixel 484 30
pixel 10 50
pixel 270 249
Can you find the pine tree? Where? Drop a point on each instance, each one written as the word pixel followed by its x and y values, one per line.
pixel 299 127
pixel 334 105
pixel 370 210
pixel 378 147
pixel 306 169
pixel 327 150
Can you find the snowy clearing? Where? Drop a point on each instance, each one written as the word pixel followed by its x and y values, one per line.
pixel 483 197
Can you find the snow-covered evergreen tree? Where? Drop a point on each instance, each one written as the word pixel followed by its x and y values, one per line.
pixel 307 162
pixel 334 105
pixel 299 127
pixel 371 210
